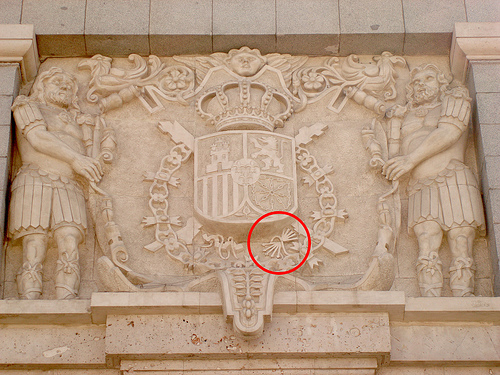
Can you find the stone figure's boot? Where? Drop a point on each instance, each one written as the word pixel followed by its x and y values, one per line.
pixel 462 277
pixel 29 281
pixel 67 277
pixel 430 275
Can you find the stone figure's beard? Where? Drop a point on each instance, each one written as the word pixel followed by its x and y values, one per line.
pixel 425 94
pixel 58 98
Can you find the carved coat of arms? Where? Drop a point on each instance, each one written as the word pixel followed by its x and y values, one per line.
pixel 249 161
pixel 243 169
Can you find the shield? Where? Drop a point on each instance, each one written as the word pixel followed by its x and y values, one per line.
pixel 241 175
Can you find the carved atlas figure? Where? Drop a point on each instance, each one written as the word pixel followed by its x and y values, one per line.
pixel 47 192
pixel 444 196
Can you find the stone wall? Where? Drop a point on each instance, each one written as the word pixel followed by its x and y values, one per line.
pixel 78 28
pixel 10 83
pixel 305 332
pixel 484 79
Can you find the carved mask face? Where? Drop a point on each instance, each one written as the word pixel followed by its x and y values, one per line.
pixel 425 86
pixel 59 90
pixel 245 64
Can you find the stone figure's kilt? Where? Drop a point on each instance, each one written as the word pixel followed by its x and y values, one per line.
pixel 43 201
pixel 452 199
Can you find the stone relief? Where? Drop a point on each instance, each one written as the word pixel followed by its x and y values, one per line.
pixel 54 138
pixel 444 195
pixel 253 155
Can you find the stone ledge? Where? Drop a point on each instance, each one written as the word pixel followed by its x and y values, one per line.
pixel 341 366
pixel 45 312
pixel 121 45
pixel 453 309
pixel 473 41
pixel 365 335
pixel 104 304
pixel 96 310
pixel 17 45
pixel 350 302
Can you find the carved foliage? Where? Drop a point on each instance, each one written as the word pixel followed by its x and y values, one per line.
pixel 378 80
pixel 112 87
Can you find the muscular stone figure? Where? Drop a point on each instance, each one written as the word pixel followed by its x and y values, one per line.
pixel 443 193
pixel 47 196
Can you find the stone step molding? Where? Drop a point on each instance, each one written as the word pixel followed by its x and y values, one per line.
pixel 394 304
pixel 18 45
pixel 473 42
pixel 168 329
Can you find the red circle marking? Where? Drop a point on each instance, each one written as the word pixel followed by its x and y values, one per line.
pixel 308 242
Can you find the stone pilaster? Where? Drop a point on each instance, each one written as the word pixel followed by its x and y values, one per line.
pixel 18 63
pixel 475 56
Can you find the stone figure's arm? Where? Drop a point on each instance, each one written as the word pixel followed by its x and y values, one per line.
pixel 32 126
pixel 451 125
pixel 444 136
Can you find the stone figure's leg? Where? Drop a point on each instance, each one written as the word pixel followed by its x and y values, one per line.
pixel 29 278
pixel 462 269
pixel 68 268
pixel 429 266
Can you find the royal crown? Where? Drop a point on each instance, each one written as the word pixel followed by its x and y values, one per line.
pixel 244 105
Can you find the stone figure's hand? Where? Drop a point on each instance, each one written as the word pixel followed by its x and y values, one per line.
pixel 89 168
pixel 397 167
pixel 86 119
pixel 396 111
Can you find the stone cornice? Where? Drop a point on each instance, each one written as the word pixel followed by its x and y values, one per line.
pixel 398 307
pixel 18 45
pixel 473 41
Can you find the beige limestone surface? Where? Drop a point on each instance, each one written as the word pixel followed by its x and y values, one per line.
pixel 141 146
pixel 82 345
pixel 164 336
pixel 164 276
pixel 438 336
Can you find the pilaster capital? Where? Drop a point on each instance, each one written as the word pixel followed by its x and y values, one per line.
pixel 473 41
pixel 18 45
